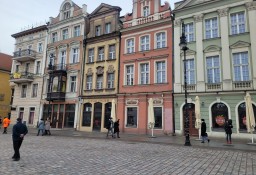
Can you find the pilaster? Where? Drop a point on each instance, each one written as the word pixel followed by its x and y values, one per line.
pixel 177 58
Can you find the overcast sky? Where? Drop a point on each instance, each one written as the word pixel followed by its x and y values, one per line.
pixel 16 15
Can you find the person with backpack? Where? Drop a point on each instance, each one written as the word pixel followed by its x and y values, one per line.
pixel 109 127
pixel 228 129
pixel 116 128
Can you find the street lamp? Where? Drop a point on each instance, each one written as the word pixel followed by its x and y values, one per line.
pixel 184 48
pixel 50 68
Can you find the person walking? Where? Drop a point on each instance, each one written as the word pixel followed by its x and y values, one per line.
pixel 47 127
pixel 0 121
pixel 19 130
pixel 6 123
pixel 204 135
pixel 110 127
pixel 228 129
pixel 41 127
pixel 116 128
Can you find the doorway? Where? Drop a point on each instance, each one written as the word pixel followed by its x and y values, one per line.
pixel 97 116
pixel 192 119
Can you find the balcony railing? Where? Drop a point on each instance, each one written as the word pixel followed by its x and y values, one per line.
pixel 22 77
pixel 213 86
pixel 57 67
pixel 190 87
pixel 56 96
pixel 24 55
pixel 237 85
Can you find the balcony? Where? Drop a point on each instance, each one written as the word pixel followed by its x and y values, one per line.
pixel 57 68
pixel 242 85
pixel 213 86
pixel 22 77
pixel 56 96
pixel 24 55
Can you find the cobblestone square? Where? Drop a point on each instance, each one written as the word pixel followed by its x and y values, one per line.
pixel 58 155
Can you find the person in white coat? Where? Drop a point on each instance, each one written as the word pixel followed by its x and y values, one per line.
pixel 47 127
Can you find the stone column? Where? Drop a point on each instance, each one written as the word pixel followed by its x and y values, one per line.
pixel 225 57
pixel 177 59
pixel 200 80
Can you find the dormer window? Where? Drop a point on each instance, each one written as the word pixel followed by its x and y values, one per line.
pixel 97 30
pixel 146 11
pixel 66 11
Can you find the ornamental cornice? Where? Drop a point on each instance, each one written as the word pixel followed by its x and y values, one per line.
pixel 177 22
pixel 223 12
pixel 251 6
pixel 199 18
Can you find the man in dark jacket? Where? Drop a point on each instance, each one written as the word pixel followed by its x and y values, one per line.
pixel 19 130
pixel 203 131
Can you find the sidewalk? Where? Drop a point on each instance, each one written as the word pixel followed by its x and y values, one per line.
pixel 215 143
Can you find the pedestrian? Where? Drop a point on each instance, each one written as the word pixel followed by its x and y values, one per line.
pixel 19 130
pixel 47 127
pixel 228 129
pixel 110 127
pixel 0 121
pixel 41 127
pixel 204 134
pixel 6 123
pixel 116 128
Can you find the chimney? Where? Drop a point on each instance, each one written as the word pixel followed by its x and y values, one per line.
pixel 84 8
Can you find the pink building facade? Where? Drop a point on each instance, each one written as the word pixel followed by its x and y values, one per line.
pixel 146 68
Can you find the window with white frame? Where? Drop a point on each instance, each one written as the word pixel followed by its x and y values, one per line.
pixel 158 113
pixel 144 43
pixel 34 90
pixel 40 47
pixel 190 71
pixel 237 23
pixel 23 91
pixel 89 82
pixel 211 28
pixel 97 30
pixel 213 69
pixel 101 53
pixel 241 66
pixel 65 34
pixel 62 57
pixel 131 117
pixel 54 37
pixel 91 55
pixel 110 80
pixel 107 28
pixel 144 73
pixel 129 75
pixel 189 31
pixel 160 40
pixel 17 68
pixel 72 83
pixel 74 57
pixel 66 9
pixel 38 67
pixel 145 11
pixel 160 72
pixel 99 82
pixel 130 45
pixel 76 31
pixel 112 52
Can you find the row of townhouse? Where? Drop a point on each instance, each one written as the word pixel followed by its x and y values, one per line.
pixel 78 65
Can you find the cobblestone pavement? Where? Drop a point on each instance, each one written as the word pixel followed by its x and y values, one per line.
pixel 75 155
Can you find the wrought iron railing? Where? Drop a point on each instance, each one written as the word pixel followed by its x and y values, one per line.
pixel 23 53
pixel 22 75
pixel 57 67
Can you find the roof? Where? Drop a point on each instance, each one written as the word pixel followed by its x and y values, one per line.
pixel 5 62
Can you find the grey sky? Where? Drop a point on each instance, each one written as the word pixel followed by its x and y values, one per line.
pixel 16 15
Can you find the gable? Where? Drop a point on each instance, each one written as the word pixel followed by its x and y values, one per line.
pixel 212 48
pixel 240 44
pixel 103 8
pixel 189 3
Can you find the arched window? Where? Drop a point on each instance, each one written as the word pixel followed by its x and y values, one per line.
pixel 87 113
pixel 145 11
pixel 219 115
pixel 66 10
pixel 242 116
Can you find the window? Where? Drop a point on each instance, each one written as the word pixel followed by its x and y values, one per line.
pixel 160 40
pixel 242 116
pixel 62 57
pixel 144 43
pixel 66 10
pixel 129 75
pixel 38 67
pixel 91 55
pixel 40 47
pixel 23 91
pixel 17 68
pixel 211 28
pixel 219 115
pixel 21 113
pixel 101 53
pixel 130 45
pixel 241 66
pixel 74 58
pixel 189 32
pixel 107 28
pixel 65 34
pixel 69 116
pixel 89 82
pixel 158 117
pixel 54 37
pixel 97 30
pixel 87 112
pixel 213 69
pixel 146 11
pixel 99 83
pixel 72 83
pixel 76 31
pixel 144 73
pixel 27 68
pixel 237 23
pixel 110 80
pixel 31 115
pixel 190 71
pixel 131 120
pixel 112 52
pixel 34 90
pixel 161 72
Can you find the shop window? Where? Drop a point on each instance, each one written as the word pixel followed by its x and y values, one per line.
pixel 131 119
pixel 87 113
pixel 107 113
pixel 242 116
pixel 219 115
pixel 70 116
pixel 158 117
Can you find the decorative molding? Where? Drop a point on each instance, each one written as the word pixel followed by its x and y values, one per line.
pixel 89 71
pixel 218 99
pixel 212 48
pixel 250 6
pixel 223 12
pixel 177 22
pixel 74 43
pixel 198 18
pixel 240 44
pixel 188 52
pixel 100 70
pixel 157 101
pixel 111 69
pixel 131 102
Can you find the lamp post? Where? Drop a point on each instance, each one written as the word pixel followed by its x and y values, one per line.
pixel 184 48
pixel 50 68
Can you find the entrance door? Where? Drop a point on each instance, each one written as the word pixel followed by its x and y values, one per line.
pixel 61 116
pixel 192 119
pixel 97 116
pixel 55 116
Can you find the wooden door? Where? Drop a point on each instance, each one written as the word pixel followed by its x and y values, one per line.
pixel 192 119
